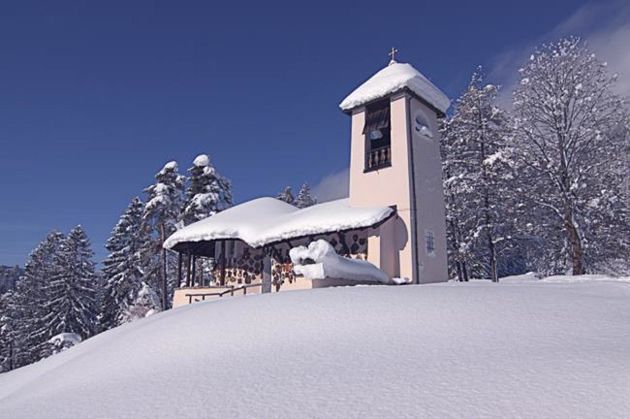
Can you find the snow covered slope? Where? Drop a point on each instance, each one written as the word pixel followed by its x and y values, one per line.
pixel 447 350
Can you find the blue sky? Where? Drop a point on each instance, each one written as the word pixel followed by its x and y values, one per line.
pixel 96 96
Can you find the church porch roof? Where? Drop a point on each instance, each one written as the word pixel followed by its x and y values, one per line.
pixel 266 221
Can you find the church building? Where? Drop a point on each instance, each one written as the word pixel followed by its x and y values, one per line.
pixel 394 216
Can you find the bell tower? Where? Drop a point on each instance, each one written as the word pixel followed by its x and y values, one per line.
pixel 395 161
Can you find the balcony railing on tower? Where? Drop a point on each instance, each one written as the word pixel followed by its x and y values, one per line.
pixel 378 158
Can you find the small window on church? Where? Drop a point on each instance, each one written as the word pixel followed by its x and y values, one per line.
pixel 377 134
pixel 421 125
pixel 429 238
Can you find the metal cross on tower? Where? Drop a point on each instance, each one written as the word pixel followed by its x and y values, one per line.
pixel 392 54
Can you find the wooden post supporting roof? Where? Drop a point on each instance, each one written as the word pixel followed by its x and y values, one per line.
pixel 194 269
pixel 179 269
pixel 188 270
pixel 222 262
pixel 266 273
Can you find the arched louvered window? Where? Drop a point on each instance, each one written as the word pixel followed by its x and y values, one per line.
pixel 421 125
pixel 377 131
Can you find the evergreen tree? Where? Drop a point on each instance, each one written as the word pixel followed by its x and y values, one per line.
pixel 571 139
pixel 9 276
pixel 72 292
pixel 478 194
pixel 161 214
pixel 305 198
pixel 31 297
pixel 145 303
pixel 8 335
pixel 286 195
pixel 208 192
pixel 122 269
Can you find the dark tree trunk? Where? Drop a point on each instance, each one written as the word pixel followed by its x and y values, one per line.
pixel 575 244
pixel 493 260
pixel 11 366
pixel 576 252
pixel 454 246
pixel 492 257
pixel 491 248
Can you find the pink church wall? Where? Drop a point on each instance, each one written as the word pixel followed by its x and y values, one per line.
pixel 388 186
pixel 412 183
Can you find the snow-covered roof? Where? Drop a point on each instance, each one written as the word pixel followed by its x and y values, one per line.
pixel 393 78
pixel 269 220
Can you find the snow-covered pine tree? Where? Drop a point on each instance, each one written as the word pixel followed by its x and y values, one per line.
pixel 208 192
pixel 9 276
pixel 122 269
pixel 286 195
pixel 8 335
pixel 476 174
pixel 145 303
pixel 161 213
pixel 72 292
pixel 31 297
pixel 305 198
pixel 571 130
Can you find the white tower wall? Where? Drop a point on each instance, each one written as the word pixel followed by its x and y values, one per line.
pixel 428 194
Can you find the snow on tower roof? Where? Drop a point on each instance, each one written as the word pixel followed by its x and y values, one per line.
pixel 391 79
pixel 268 220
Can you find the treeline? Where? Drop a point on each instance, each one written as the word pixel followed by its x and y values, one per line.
pixel 544 186
pixel 304 198
pixel 62 297
pixel 57 293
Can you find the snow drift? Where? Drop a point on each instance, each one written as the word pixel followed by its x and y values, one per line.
pixel 63 341
pixel 445 350
pixel 320 261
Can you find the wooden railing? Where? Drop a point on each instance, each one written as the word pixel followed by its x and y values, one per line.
pixel 378 158
pixel 231 290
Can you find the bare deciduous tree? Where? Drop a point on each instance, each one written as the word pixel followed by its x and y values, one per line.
pixel 569 134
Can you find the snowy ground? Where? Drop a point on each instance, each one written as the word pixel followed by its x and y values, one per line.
pixel 523 348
